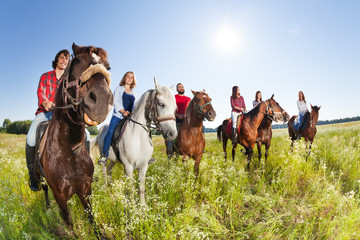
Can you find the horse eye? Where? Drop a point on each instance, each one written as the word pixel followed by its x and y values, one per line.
pixel 161 104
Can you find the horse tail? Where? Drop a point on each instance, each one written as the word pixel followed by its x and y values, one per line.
pixel 219 130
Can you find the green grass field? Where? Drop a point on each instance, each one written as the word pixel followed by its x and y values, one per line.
pixel 285 198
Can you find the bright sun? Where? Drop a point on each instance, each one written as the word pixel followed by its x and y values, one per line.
pixel 226 38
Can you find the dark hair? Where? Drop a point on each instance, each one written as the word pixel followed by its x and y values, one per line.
pixel 66 54
pixel 234 92
pixel 302 96
pixel 256 96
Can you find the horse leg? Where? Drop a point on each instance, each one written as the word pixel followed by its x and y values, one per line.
pixel 197 165
pixel 259 150
pixel 234 151
pixel 129 174
pixel 142 174
pixel 109 168
pixel 249 152
pixel 266 152
pixel 46 193
pixel 225 139
pixel 61 200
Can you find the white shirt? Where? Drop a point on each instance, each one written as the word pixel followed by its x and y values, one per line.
pixel 302 107
pixel 118 101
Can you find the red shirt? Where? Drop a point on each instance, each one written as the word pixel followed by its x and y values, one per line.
pixel 182 102
pixel 238 102
pixel 46 90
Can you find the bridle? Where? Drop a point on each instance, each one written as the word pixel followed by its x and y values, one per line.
pixel 276 115
pixel 199 109
pixel 312 122
pixel 73 102
pixel 152 112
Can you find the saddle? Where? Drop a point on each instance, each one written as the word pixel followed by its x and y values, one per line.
pixel 41 135
pixel 238 125
pixel 119 131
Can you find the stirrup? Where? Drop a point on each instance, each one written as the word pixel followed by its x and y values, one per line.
pixel 102 161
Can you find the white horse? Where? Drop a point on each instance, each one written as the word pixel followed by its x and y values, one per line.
pixel 135 145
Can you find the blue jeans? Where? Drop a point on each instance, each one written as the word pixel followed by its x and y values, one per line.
pixel 107 141
pixel 297 126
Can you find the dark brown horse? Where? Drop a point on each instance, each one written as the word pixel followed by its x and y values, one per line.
pixel 83 96
pixel 248 133
pixel 265 132
pixel 308 131
pixel 190 142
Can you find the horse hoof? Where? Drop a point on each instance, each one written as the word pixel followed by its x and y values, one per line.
pixel 152 160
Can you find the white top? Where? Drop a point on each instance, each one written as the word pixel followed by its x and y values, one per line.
pixel 302 107
pixel 118 101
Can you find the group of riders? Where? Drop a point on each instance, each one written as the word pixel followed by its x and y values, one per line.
pixel 124 102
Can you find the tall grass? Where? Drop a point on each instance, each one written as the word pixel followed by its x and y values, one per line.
pixel 288 197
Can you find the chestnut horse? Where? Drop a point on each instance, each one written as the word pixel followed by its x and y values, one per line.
pixel 83 97
pixel 247 134
pixel 309 130
pixel 190 142
pixel 265 132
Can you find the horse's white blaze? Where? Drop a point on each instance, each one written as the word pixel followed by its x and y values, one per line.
pixel 96 57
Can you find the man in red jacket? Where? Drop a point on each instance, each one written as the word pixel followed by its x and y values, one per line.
pixel 48 84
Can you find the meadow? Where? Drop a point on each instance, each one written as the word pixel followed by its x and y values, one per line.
pixel 288 197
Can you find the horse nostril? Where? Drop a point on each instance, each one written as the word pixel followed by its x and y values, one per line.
pixel 93 97
pixel 170 134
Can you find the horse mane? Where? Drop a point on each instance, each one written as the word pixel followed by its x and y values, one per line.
pixel 188 111
pixel 142 101
pixel 252 113
pixel 316 108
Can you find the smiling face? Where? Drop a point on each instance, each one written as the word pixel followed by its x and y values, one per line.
pixel 62 62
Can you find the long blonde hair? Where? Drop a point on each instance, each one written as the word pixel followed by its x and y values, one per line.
pixel 122 82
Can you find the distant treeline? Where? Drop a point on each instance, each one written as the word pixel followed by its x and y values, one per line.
pixel 278 126
pixel 22 127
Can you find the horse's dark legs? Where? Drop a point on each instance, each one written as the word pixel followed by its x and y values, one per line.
pixel 169 148
pixel 46 193
pixel 267 147
pixel 249 152
pixel 234 151
pixel 62 202
pixel 84 198
pixel 259 150
pixel 197 166
pixel 225 139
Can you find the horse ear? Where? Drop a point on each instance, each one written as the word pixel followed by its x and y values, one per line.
pixel 75 48
pixel 319 107
pixel 311 105
pixel 194 93
pixel 157 85
pixel 272 97
pixel 173 88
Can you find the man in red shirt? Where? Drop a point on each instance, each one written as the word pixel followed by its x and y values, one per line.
pixel 48 84
pixel 182 102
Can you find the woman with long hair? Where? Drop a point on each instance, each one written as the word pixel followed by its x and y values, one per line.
pixel 237 108
pixel 258 98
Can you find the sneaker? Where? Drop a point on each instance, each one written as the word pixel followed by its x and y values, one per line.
pixel 102 161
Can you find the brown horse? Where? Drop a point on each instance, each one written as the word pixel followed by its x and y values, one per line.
pixel 190 142
pixel 247 133
pixel 265 132
pixel 83 96
pixel 308 131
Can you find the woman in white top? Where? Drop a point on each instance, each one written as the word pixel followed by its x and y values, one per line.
pixel 301 103
pixel 124 102
pixel 258 99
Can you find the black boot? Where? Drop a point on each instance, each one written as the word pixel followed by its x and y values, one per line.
pixel 233 136
pixel 34 181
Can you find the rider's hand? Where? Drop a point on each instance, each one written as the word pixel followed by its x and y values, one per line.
pixel 47 105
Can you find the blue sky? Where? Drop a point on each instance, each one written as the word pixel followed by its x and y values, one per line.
pixel 277 47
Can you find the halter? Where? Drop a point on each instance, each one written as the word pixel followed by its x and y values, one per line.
pixel 199 109
pixel 152 112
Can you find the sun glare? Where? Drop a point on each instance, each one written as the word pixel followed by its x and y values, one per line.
pixel 226 39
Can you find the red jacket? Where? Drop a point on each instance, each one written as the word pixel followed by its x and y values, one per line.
pixel 47 89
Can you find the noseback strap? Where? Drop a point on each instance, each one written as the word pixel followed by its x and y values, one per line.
pixel 93 69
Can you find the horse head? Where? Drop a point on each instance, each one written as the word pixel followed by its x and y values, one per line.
pixel 164 107
pixel 87 84
pixel 314 115
pixel 203 106
pixel 275 111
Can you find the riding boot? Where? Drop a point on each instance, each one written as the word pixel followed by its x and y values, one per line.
pixel 233 136
pixel 34 182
